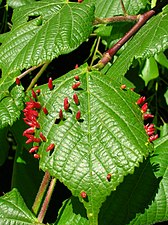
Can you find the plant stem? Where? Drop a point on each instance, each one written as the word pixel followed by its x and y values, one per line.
pixel 116 19
pixel 35 79
pixel 95 51
pixel 28 71
pixel 41 193
pixel 46 200
pixel 142 19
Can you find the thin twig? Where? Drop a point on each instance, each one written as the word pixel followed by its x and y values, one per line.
pixel 116 19
pixel 123 7
pixel 28 71
pixel 95 51
pixel 46 200
pixel 41 193
pixel 35 79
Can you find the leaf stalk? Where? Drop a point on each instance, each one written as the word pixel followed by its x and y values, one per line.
pixel 46 200
pixel 41 193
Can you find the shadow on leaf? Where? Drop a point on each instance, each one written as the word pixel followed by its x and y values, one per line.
pixel 132 197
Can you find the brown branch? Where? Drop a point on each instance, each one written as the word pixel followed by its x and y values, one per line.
pixel 107 56
pixel 114 19
pixel 29 70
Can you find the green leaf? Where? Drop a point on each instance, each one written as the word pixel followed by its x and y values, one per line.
pixel 109 137
pixel 150 40
pixel 109 8
pixel 131 198
pixel 157 211
pixel 140 200
pixel 150 70
pixel 162 59
pixel 10 106
pixel 72 212
pixel 166 96
pixel 4 145
pixel 14 211
pixel 15 4
pixel 47 29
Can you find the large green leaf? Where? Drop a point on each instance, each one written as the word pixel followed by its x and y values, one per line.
pixel 109 8
pixel 123 204
pixel 109 137
pixel 10 106
pixel 47 29
pixel 14 211
pixel 150 40
pixel 157 211
pixel 140 200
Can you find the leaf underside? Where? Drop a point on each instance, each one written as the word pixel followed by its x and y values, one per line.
pixel 108 138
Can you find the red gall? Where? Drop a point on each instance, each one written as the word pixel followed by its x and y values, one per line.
pixel 78 115
pixel 34 94
pixel 17 81
pixel 109 177
pixel 45 110
pixel 50 83
pixel 30 130
pixel 28 136
pixel 33 149
pixel 30 140
pixel 123 86
pixel 76 85
pixel 144 107
pixel 32 104
pixel 28 112
pixel 36 156
pixel 83 194
pixel 141 100
pixel 61 114
pixel 66 104
pixel 153 137
pixel 38 91
pixel 147 116
pixel 149 126
pixel 76 78
pixel 76 66
pixel 75 98
pixel 42 137
pixel 50 147
pixel 38 140
pixel 149 133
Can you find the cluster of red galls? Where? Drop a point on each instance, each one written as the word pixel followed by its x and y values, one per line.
pixel 31 113
pixel 149 128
